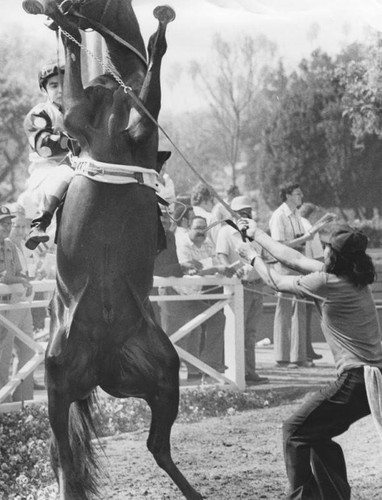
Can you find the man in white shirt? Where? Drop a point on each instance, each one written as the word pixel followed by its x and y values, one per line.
pixel 228 241
pixel 203 203
pixel 289 334
pixel 196 247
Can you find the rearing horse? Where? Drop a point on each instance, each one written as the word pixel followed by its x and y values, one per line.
pixel 103 333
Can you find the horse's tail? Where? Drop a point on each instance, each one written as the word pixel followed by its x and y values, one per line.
pixel 84 482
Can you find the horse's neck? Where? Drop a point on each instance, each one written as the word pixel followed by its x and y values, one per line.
pixel 118 17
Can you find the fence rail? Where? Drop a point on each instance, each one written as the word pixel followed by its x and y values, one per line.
pixel 231 300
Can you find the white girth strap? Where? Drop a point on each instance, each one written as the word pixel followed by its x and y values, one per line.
pixel 111 173
pixel 373 383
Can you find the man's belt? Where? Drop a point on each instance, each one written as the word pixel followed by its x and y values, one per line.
pixel 6 297
pixel 115 174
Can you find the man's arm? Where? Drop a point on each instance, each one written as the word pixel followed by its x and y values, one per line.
pixel 283 253
pixel 43 139
pixel 279 282
pixel 278 233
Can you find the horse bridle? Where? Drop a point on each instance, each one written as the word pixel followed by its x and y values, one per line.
pixel 69 7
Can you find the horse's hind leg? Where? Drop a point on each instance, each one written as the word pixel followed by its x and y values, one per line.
pixel 164 408
pixel 60 445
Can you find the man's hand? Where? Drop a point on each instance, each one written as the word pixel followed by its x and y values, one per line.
pixel 246 252
pixel 248 225
pixel 28 287
pixel 191 267
pixel 226 270
pixel 326 219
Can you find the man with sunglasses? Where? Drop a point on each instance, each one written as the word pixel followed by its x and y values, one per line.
pixel 227 241
pixel 50 170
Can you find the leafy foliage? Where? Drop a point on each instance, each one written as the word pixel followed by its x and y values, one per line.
pixel 17 96
pixel 316 132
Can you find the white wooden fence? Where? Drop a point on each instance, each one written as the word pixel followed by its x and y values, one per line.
pixel 231 300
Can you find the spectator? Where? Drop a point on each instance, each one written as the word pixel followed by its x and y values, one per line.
pixel 174 314
pixel 10 273
pixel 315 464
pixel 23 317
pixel 50 169
pixel 203 202
pixel 166 186
pixel 183 216
pixel 198 248
pixel 289 333
pixel 219 212
pixel 228 241
pixel 313 250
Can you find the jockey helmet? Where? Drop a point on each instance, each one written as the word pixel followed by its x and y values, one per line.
pixel 50 69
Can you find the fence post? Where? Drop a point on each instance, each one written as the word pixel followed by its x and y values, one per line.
pixel 234 335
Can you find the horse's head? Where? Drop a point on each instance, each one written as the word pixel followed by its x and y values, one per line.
pixel 78 12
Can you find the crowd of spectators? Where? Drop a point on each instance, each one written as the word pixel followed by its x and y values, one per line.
pixel 20 265
pixel 200 242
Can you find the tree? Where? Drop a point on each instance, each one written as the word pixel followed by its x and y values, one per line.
pixel 230 85
pixel 311 138
pixel 17 95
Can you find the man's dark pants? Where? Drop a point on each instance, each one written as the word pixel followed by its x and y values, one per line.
pixel 315 464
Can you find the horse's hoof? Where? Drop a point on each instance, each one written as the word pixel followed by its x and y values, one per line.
pixel 33 7
pixel 164 13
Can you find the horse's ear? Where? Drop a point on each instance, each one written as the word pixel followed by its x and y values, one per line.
pixel 162 157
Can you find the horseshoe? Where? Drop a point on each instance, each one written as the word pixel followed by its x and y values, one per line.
pixel 164 13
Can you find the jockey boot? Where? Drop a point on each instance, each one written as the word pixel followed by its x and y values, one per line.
pixel 39 225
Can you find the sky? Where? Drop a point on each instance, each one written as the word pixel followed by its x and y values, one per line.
pixel 189 37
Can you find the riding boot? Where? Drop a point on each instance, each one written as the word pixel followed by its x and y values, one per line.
pixel 39 225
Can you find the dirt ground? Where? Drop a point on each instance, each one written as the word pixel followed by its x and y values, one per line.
pixel 234 457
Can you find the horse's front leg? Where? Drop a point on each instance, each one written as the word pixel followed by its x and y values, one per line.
pixel 77 107
pixel 150 94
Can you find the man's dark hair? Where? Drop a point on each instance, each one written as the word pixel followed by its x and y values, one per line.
pixel 357 268
pixel 200 193
pixel 287 188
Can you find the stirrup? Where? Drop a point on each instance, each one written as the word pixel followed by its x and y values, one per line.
pixel 164 13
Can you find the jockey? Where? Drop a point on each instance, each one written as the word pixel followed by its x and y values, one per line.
pixel 51 148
